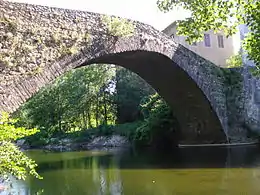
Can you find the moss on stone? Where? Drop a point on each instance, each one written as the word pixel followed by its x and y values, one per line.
pixel 118 27
pixel 233 88
pixel 37 45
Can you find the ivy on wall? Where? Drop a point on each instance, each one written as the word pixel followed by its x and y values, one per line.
pixel 234 92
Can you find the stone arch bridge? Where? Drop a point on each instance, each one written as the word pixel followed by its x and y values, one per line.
pixel 38 44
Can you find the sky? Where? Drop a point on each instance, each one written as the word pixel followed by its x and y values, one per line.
pixel 142 10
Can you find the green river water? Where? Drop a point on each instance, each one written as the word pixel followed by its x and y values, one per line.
pixel 188 171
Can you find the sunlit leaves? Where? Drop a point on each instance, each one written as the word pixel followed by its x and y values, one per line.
pixel 252 40
pixel 165 5
pixel 219 15
pixel 12 160
pixel 8 131
pixel 72 101
pixel 15 162
pixel 235 61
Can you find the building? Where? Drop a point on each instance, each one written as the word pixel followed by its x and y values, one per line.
pixel 215 47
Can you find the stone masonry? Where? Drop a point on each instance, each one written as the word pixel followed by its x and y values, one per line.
pixel 38 44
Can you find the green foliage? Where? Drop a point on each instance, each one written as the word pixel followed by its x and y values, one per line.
pixel 158 121
pixel 93 97
pixel 8 131
pixel 255 71
pixel 235 61
pixel 103 130
pixel 232 77
pixel 118 27
pixel 219 15
pixel 88 102
pixel 80 99
pixel 41 138
pixel 158 126
pixel 252 40
pixel 130 90
pixel 12 160
pixel 233 87
pixel 128 129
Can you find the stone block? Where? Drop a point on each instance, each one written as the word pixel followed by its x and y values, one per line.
pixel 257 97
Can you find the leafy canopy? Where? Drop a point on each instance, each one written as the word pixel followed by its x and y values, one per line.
pixel 219 15
pixel 12 160
pixel 74 101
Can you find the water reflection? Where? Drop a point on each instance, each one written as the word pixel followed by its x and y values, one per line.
pixel 196 171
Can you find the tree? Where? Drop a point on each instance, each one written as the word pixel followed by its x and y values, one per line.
pixel 130 90
pixel 76 100
pixel 235 61
pixel 159 127
pixel 219 15
pixel 12 160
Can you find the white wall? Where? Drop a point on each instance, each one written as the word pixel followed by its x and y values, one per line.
pixel 213 53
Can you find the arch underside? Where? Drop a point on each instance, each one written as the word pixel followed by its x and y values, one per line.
pixel 198 121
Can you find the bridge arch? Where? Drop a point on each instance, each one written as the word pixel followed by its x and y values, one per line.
pixel 198 120
pixel 189 83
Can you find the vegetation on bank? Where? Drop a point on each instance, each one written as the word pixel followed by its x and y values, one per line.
pixel 156 129
pixel 92 101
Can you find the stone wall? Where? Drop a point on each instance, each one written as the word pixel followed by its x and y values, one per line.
pixel 251 87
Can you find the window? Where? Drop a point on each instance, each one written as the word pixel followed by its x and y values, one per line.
pixel 220 41
pixel 172 36
pixel 207 40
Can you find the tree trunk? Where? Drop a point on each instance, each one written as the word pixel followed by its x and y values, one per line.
pixel 89 120
pixel 105 108
pixel 97 112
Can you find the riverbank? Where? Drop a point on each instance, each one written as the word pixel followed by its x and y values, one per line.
pixel 122 135
pixel 107 142
pixel 137 133
pixel 69 144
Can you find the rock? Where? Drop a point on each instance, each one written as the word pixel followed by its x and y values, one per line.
pixel 58 148
pixel 60 144
pixel 53 140
pixel 65 144
pixel 20 142
pixel 66 141
pixel 108 142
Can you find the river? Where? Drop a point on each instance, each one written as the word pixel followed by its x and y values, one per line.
pixel 196 171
